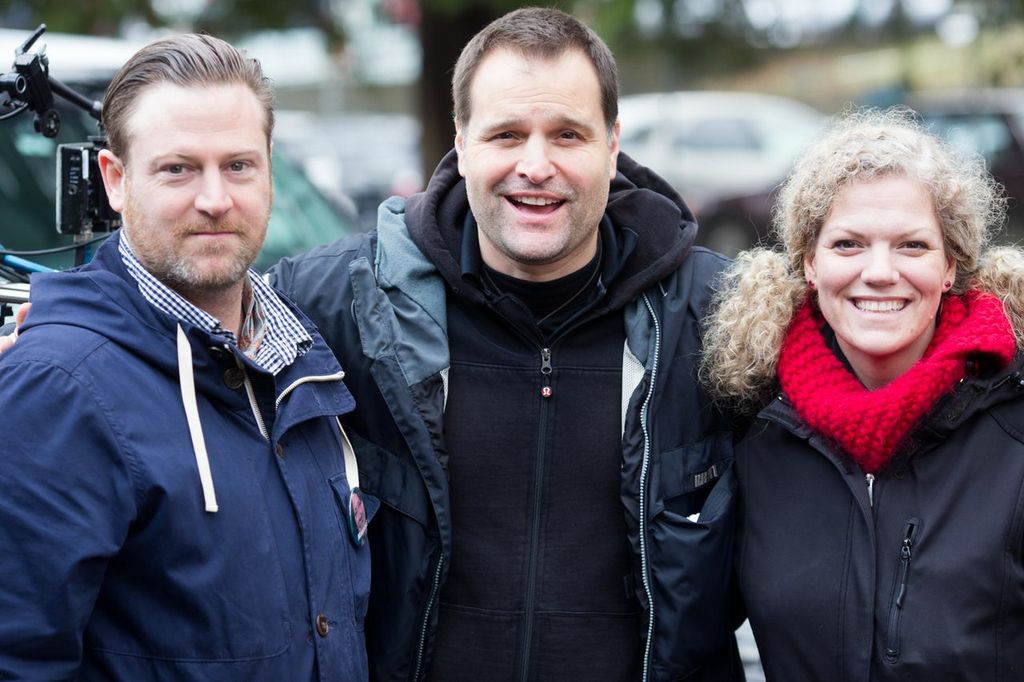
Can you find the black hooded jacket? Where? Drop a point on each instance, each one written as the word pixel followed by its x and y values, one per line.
pixel 555 505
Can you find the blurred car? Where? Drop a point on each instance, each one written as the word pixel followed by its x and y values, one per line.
pixel 713 145
pixel 988 121
pixel 735 223
pixel 334 153
pixel 301 217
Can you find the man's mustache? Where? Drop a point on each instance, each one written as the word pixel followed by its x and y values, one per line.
pixel 563 193
pixel 217 227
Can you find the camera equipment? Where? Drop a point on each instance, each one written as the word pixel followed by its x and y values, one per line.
pixel 82 206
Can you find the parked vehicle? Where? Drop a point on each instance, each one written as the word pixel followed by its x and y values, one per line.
pixel 715 145
pixel 333 152
pixel 989 121
pixel 734 223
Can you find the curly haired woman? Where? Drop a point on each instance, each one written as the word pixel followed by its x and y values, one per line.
pixel 882 480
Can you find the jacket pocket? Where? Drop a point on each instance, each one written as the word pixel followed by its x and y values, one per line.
pixel 897 601
pixel 686 477
pixel 395 482
pixel 359 558
pixel 691 538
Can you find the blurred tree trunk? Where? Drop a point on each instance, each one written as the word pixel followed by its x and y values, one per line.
pixel 443 34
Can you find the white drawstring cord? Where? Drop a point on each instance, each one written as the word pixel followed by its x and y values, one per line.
pixel 195 427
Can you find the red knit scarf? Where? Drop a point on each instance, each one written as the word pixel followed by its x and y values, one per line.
pixel 870 424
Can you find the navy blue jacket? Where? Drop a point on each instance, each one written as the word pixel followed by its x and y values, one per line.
pixel 110 568
pixel 381 301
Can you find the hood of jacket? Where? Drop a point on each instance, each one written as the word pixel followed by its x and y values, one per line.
pixel 103 298
pixel 652 226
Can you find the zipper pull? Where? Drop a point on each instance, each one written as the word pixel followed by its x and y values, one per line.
pixel 905 554
pixel 892 641
pixel 870 478
pixel 545 369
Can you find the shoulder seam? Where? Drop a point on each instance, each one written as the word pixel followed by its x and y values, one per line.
pixel 131 462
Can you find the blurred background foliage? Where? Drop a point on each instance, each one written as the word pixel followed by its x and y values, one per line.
pixel 364 105
pixel 824 53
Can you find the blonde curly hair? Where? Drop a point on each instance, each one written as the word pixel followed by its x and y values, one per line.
pixel 757 297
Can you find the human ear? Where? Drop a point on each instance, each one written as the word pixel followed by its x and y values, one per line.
pixel 460 149
pixel 613 147
pixel 809 271
pixel 950 274
pixel 113 173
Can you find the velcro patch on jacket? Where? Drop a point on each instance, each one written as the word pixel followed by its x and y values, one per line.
pixel 705 477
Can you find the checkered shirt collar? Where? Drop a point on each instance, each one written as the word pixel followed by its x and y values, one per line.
pixel 285 338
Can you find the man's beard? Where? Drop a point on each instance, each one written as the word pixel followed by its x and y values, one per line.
pixel 185 273
pixel 168 261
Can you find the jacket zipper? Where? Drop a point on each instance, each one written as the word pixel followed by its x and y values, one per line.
pixel 252 402
pixel 538 490
pixel 644 472
pixel 545 370
pixel 899 593
pixel 870 479
pixel 546 392
pixel 426 618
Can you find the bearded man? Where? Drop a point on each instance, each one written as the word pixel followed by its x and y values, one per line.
pixel 180 503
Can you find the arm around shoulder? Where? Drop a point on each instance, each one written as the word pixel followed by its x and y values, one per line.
pixel 302 277
pixel 9 331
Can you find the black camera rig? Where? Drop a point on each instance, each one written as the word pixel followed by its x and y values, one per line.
pixel 82 207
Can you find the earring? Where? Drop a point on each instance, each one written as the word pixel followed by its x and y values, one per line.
pixel 947 284
pixel 810 284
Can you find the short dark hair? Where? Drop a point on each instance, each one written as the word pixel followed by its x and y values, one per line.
pixel 537 32
pixel 185 60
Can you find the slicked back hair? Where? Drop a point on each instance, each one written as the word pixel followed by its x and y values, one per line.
pixel 543 33
pixel 186 60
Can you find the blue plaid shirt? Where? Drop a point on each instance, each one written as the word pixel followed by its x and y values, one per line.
pixel 284 338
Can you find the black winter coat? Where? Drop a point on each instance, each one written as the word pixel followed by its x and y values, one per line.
pixel 380 301
pixel 921 580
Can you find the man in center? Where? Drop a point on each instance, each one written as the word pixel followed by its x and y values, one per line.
pixel 521 339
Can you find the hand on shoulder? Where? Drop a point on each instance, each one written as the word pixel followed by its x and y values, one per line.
pixel 19 317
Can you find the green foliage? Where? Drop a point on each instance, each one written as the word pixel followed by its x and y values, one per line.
pixel 228 18
pixel 97 17
pixel 610 19
pixel 452 8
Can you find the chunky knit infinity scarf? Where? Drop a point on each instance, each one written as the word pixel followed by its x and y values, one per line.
pixel 870 424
